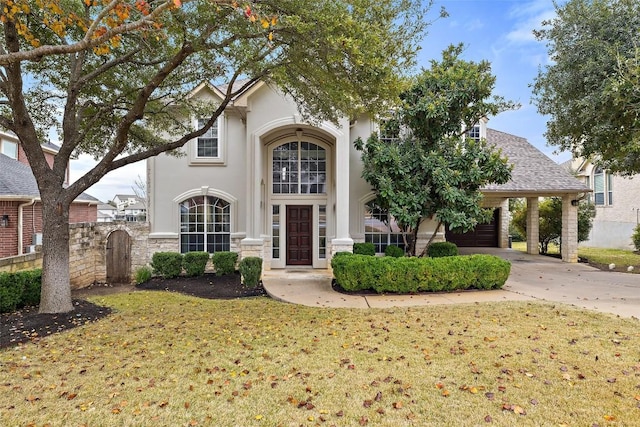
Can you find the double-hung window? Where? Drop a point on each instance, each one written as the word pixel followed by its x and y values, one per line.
pixel 209 148
pixel 602 187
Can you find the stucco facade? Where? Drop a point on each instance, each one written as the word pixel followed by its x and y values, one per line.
pixel 617 203
pixel 274 185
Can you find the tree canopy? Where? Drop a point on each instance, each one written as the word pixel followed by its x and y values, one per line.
pixel 431 169
pixel 115 79
pixel 591 90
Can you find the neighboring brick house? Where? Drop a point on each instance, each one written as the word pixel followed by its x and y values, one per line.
pixel 20 205
pixel 617 202
pixel 265 182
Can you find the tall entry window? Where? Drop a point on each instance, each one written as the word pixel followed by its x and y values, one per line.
pixel 299 168
pixel 205 224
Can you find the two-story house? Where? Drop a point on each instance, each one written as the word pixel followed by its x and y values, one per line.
pixel 617 202
pixel 130 207
pixel 20 205
pixel 264 182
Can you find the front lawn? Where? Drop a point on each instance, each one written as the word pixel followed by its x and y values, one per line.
pixel 167 359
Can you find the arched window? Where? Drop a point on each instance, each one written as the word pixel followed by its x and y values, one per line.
pixel 205 224
pixel 299 168
pixel 381 229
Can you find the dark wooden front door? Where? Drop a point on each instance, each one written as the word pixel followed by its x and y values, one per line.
pixel 118 258
pixel 299 235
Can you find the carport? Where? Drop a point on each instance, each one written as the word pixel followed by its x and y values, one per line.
pixel 534 175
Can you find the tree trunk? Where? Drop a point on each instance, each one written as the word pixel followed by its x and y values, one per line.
pixel 56 287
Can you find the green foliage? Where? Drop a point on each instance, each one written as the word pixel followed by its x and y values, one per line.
pixel 194 263
pixel 19 289
pixel 636 237
pixel 364 249
pixel 251 270
pixel 410 274
pixel 393 251
pixel 142 275
pixel 432 171
pixel 442 249
pixel 32 283
pixel 333 58
pixel 224 262
pixel 10 293
pixel 590 90
pixel 339 254
pixel 550 221
pixel 167 264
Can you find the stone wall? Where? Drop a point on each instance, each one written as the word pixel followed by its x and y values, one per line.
pixel 88 252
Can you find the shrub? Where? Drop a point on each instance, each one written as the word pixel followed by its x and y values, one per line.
pixel 167 264
pixel 224 262
pixel 194 263
pixel 32 285
pixel 441 249
pixel 407 275
pixel 251 270
pixel 636 237
pixel 142 275
pixel 394 251
pixel 339 254
pixel 364 249
pixel 10 293
pixel 19 289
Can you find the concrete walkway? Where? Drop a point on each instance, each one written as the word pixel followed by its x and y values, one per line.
pixel 533 277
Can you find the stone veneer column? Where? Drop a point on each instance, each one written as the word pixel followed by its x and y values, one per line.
pixel 533 226
pixel 343 241
pixel 569 238
pixel 503 234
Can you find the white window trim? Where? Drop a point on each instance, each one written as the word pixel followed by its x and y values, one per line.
pixel 607 185
pixel 3 149
pixel 221 158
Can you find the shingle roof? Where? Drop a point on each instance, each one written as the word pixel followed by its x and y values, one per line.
pixel 533 171
pixel 17 180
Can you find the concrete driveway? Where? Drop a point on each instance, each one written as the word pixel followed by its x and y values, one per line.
pixel 549 279
pixel 533 277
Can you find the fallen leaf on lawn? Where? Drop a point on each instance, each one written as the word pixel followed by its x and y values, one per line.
pixel 397 405
pixel 610 417
pixel 488 419
pixel 163 404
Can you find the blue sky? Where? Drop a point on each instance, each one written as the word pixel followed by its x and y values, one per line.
pixel 499 31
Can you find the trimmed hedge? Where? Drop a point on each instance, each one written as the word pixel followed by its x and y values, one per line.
pixel 224 262
pixel 408 275
pixel 440 249
pixel 167 264
pixel 393 251
pixel 19 289
pixel 251 270
pixel 194 263
pixel 364 249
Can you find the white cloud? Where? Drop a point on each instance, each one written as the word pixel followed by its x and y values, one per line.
pixel 119 181
pixel 528 17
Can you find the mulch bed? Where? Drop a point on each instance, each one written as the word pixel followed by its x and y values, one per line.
pixel 27 324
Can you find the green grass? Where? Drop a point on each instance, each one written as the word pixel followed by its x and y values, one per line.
pixel 605 256
pixel 169 360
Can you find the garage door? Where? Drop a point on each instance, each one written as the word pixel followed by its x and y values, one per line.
pixel 484 235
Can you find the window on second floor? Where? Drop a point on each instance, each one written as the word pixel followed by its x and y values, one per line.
pixel 9 149
pixel 473 132
pixel 602 187
pixel 209 148
pixel 207 144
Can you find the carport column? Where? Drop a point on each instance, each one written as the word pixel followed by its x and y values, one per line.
pixel 343 241
pixel 569 238
pixel 533 225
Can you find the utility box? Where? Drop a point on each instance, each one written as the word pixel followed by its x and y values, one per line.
pixel 36 239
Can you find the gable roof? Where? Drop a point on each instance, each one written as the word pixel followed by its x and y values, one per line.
pixel 533 172
pixel 17 182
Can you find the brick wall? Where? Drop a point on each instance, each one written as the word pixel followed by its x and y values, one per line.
pixel 83 212
pixel 9 235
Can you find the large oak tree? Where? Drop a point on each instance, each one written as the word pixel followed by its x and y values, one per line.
pixel 591 90
pixel 114 77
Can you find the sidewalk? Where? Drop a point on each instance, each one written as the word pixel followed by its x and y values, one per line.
pixel 533 277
